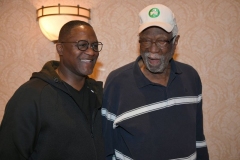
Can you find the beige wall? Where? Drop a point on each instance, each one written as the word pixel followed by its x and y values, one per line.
pixel 210 42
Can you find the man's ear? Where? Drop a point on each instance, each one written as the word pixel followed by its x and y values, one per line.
pixel 175 43
pixel 59 48
pixel 176 40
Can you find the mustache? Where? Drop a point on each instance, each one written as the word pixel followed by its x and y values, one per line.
pixel 153 55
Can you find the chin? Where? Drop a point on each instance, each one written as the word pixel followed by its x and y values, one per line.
pixel 85 72
pixel 155 70
pixel 88 73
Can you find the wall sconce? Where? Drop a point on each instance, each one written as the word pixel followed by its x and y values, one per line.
pixel 52 18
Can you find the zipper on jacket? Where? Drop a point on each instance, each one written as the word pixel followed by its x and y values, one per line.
pixel 93 119
pixel 92 134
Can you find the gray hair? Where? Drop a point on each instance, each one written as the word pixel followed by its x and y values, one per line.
pixel 175 30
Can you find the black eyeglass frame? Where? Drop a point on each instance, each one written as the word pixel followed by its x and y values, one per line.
pixel 91 45
pixel 168 42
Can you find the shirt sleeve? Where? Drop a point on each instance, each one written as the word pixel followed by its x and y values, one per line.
pixel 201 145
pixel 108 131
pixel 115 145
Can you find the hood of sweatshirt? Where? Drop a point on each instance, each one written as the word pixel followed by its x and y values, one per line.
pixel 49 75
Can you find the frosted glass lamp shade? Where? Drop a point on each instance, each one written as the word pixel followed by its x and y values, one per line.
pixel 52 18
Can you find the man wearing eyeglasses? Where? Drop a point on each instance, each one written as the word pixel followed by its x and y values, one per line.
pixel 56 115
pixel 152 108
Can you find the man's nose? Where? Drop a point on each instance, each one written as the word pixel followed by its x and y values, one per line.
pixel 154 48
pixel 90 51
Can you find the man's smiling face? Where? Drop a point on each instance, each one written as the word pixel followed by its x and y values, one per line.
pixel 78 62
pixel 155 53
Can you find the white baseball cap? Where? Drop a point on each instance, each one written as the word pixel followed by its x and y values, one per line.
pixel 157 15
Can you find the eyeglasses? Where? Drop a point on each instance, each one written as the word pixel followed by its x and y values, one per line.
pixel 159 43
pixel 82 45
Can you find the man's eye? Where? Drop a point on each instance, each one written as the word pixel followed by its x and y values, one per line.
pixel 146 42
pixel 95 45
pixel 162 42
pixel 83 45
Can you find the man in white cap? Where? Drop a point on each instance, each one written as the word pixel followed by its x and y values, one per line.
pixel 152 108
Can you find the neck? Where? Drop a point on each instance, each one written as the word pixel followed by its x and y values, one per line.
pixel 75 81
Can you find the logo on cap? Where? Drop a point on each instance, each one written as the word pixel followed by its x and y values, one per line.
pixel 154 12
